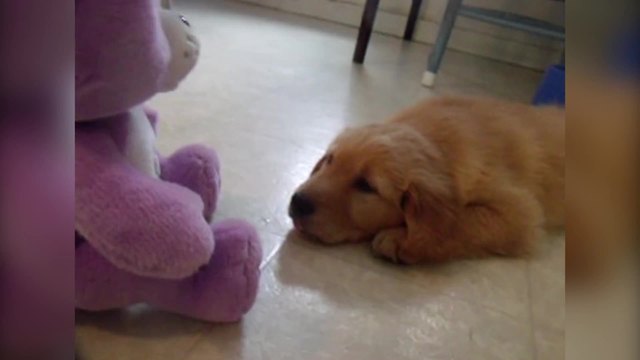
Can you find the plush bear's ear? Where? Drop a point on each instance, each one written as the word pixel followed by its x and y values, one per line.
pixel 122 55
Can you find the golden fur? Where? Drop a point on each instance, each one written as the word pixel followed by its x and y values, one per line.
pixel 451 177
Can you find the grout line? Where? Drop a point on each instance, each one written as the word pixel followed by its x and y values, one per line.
pixel 532 337
pixel 196 341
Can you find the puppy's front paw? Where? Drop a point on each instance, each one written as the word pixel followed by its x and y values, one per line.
pixel 385 243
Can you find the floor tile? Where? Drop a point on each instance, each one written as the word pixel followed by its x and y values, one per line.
pixel 314 307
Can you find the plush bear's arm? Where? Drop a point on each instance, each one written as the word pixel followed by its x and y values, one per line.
pixel 139 223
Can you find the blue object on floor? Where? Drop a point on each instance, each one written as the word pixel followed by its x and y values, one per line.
pixel 551 88
pixel 625 53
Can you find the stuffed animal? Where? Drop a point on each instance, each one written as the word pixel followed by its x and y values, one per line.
pixel 36 180
pixel 36 221
pixel 142 229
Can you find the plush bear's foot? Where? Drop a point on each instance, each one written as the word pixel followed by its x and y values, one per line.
pixel 221 291
pixel 226 288
pixel 197 168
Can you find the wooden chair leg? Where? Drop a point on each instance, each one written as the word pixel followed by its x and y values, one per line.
pixel 366 27
pixel 414 13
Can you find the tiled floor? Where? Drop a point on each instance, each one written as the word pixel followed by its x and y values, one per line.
pixel 270 91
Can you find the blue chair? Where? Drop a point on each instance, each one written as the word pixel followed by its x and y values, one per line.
pixel 454 9
pixel 551 90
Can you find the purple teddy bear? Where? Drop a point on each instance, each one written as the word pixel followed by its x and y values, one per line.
pixel 142 221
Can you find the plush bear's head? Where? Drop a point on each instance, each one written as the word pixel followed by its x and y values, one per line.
pixel 185 48
pixel 126 52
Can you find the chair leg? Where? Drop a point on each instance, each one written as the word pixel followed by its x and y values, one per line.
pixel 446 27
pixel 413 18
pixel 366 27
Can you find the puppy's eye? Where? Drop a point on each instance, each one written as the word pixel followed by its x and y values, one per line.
pixel 319 164
pixel 364 186
pixel 327 159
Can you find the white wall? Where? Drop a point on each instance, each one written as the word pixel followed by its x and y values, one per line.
pixel 470 36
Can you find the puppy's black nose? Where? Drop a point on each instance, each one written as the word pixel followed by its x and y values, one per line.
pixel 300 206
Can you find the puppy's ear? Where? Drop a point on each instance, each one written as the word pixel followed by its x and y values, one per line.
pixel 429 205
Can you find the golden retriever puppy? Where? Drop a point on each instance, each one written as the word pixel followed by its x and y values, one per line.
pixel 452 177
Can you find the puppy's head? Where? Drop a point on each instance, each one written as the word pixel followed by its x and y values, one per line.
pixel 365 182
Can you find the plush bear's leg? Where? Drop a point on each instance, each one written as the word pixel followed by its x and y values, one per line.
pixel 197 168
pixel 226 288
pixel 221 291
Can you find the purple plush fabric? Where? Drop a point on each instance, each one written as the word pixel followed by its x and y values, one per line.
pixel 195 167
pixel 142 221
pixel 36 179
pixel 36 231
pixel 36 46
pixel 121 55
pixel 144 225
pixel 219 291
